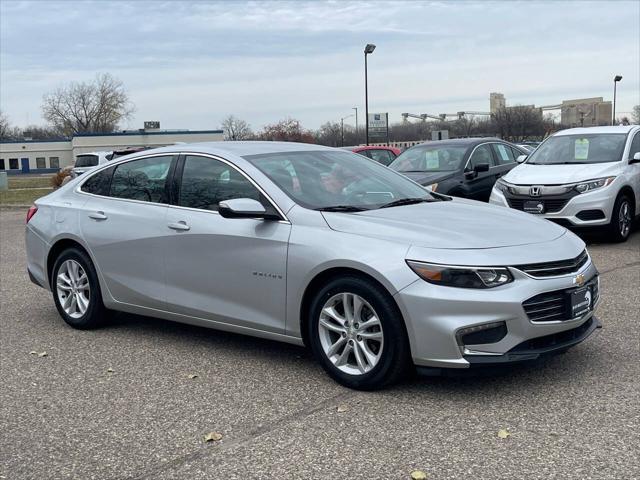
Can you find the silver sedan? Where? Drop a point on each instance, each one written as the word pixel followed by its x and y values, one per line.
pixel 316 246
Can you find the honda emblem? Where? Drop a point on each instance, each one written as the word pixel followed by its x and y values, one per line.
pixel 535 190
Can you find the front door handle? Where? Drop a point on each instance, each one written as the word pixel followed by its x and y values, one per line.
pixel 181 226
pixel 98 215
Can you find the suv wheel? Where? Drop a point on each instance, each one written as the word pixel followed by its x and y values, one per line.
pixel 621 219
pixel 357 334
pixel 76 291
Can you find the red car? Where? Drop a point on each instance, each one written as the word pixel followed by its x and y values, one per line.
pixel 381 154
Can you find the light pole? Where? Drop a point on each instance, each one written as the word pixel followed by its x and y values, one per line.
pixel 616 79
pixel 357 136
pixel 342 129
pixel 368 49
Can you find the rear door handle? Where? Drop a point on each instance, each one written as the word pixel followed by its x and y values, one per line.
pixel 181 225
pixel 98 215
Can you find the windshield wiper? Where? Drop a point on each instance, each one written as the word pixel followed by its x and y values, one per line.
pixel 405 201
pixel 341 208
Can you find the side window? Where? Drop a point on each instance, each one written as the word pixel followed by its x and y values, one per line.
pixel 206 182
pixel 482 154
pixel 41 162
pixel 13 163
pixel 503 153
pixel 143 179
pixel 381 156
pixel 635 146
pixel 99 183
pixel 2 167
pixel 54 162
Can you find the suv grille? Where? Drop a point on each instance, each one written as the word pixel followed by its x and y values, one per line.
pixel 550 205
pixel 552 269
pixel 554 306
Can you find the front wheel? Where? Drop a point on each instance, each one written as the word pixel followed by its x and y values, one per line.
pixel 621 219
pixel 357 334
pixel 76 291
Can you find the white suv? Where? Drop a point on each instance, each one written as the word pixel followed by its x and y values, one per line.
pixel 86 161
pixel 580 177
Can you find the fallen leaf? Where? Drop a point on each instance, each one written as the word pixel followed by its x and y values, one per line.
pixel 109 370
pixel 502 433
pixel 33 352
pixel 342 408
pixel 213 437
pixel 43 354
pixel 192 376
pixel 418 475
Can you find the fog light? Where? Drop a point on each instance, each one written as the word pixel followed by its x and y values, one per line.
pixel 481 334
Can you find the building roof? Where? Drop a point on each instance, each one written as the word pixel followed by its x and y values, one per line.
pixel 591 130
pixel 128 133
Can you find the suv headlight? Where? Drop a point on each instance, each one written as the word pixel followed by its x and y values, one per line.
pixel 502 185
pixel 593 184
pixel 461 277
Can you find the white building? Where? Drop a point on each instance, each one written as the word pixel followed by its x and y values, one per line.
pixel 49 156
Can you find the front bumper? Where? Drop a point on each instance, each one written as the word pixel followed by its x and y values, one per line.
pixel 598 200
pixel 434 314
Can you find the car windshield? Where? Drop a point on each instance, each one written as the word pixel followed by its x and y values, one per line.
pixel 430 158
pixel 86 160
pixel 579 149
pixel 337 180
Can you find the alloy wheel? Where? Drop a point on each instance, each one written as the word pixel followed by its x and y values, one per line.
pixel 351 333
pixel 72 286
pixel 624 218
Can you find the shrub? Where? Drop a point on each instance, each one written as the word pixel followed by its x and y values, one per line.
pixel 57 179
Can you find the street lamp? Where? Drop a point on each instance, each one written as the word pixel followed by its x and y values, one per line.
pixel 342 129
pixel 357 136
pixel 368 49
pixel 616 79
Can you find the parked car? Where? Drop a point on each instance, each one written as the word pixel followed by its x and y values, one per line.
pixel 580 177
pixel 86 161
pixel 354 260
pixel 465 167
pixel 381 154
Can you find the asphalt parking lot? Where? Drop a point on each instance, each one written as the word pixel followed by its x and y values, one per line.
pixel 120 403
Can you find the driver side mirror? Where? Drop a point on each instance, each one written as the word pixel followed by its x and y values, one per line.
pixel 242 208
pixel 636 158
pixel 481 167
pixel 521 158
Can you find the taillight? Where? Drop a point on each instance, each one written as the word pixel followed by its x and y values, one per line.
pixel 32 211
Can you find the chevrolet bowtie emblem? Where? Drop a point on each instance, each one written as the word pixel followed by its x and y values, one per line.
pixel 579 280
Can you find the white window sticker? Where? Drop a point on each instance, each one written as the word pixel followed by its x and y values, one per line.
pixel 503 153
pixel 582 149
pixel 433 161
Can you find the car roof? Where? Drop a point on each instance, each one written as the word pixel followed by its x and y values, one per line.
pixel 597 130
pixel 245 147
pixel 462 141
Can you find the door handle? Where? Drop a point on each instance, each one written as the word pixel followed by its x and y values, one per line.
pixel 98 215
pixel 181 226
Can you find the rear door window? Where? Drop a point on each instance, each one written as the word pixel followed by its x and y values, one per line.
pixel 144 179
pixel 482 154
pixel 99 183
pixel 503 153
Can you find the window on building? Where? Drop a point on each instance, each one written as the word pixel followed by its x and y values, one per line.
pixel 142 179
pixel 41 162
pixel 54 162
pixel 2 167
pixel 13 163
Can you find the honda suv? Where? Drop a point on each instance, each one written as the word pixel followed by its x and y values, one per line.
pixel 580 177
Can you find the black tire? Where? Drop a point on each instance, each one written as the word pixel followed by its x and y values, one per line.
pixel 614 229
pixel 96 312
pixel 395 359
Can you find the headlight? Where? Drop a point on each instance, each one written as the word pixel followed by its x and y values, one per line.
pixel 593 184
pixel 432 187
pixel 502 185
pixel 461 277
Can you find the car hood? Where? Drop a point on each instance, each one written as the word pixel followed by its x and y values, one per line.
pixel 426 178
pixel 526 174
pixel 454 224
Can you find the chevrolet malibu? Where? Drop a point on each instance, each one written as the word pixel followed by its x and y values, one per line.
pixel 313 246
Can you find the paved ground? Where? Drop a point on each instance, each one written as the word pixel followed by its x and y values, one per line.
pixel 65 415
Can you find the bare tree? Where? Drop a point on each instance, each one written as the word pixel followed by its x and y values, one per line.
pixel 286 130
pixel 236 129
pixel 96 107
pixel 5 126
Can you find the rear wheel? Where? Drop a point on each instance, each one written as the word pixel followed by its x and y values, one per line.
pixel 621 219
pixel 357 334
pixel 76 291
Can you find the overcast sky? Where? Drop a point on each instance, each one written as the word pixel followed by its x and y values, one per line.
pixel 189 64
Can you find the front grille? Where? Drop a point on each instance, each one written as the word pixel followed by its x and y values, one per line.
pixel 552 269
pixel 590 215
pixel 549 341
pixel 554 306
pixel 550 205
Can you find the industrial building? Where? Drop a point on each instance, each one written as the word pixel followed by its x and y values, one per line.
pixel 30 156
pixel 585 112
